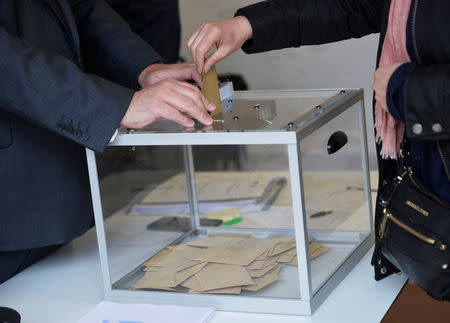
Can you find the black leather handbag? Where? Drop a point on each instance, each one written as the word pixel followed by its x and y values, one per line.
pixel 415 231
pixel 8 315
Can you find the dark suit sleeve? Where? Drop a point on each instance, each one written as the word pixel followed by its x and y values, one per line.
pixel 427 101
pixel 110 47
pixel 52 92
pixel 290 23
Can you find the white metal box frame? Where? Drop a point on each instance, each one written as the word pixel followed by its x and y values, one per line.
pixel 289 135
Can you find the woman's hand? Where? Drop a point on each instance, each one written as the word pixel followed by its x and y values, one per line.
pixel 380 84
pixel 228 35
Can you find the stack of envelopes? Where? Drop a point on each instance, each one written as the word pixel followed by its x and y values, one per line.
pixel 222 264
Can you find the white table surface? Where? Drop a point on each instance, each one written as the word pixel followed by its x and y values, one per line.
pixel 68 284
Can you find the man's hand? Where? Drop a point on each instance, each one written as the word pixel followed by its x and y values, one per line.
pixel 171 100
pixel 380 84
pixel 158 72
pixel 228 35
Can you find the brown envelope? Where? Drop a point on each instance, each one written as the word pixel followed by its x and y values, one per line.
pixel 185 274
pixel 255 243
pixel 210 89
pixel 175 256
pixel 156 280
pixel 160 255
pixel 215 241
pixel 217 276
pixel 287 256
pixel 231 255
pixel 281 247
pixel 269 278
pixel 319 252
pixel 257 273
pixel 174 264
pixel 256 264
pixel 271 261
pixel 282 238
pixel 167 277
pixel 313 246
pixel 263 256
pixel 293 262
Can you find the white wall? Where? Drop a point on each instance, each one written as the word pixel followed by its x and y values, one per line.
pixel 347 64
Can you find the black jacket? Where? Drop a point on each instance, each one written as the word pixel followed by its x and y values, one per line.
pixel 292 23
pixel 156 21
pixel 51 108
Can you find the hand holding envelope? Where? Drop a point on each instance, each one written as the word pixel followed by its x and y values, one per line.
pixel 228 35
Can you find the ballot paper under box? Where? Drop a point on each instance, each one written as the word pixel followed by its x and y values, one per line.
pixel 265 211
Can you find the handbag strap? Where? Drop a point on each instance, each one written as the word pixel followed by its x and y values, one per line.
pixel 404 155
pixel 404 167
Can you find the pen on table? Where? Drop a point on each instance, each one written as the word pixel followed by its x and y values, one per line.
pixel 278 186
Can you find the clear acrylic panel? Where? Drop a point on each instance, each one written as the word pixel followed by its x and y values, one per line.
pixel 246 186
pixel 138 223
pixel 333 183
pixel 243 242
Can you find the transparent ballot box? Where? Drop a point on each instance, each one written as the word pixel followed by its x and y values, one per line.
pixel 265 211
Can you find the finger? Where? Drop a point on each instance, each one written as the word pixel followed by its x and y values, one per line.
pixel 171 113
pixel 215 57
pixel 190 73
pixel 204 42
pixel 196 91
pixel 189 103
pixel 194 44
pixel 185 72
pixel 198 59
pixel 194 106
pixel 197 77
pixel 194 36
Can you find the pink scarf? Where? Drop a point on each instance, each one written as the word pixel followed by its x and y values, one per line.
pixel 389 131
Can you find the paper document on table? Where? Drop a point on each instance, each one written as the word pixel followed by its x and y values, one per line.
pixel 203 207
pixel 212 186
pixel 245 191
pixel 107 312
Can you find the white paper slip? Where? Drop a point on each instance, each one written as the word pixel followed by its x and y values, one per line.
pixel 107 312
